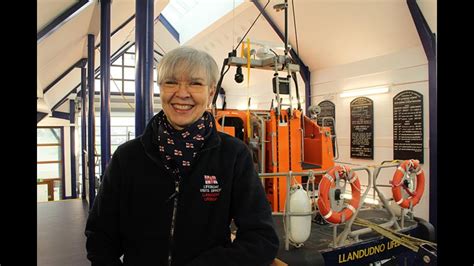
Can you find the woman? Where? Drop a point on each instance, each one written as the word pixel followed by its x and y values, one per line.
pixel 168 196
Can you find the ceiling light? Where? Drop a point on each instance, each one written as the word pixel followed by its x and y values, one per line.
pixel 365 91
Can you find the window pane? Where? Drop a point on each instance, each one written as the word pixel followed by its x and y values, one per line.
pixel 48 135
pixel 123 121
pixel 48 153
pixel 129 59
pixel 118 130
pixel 118 140
pixel 131 132
pixel 116 86
pixel 155 77
pixel 115 72
pixel 118 62
pixel 129 73
pixel 114 147
pixel 129 86
pixel 156 89
pixel 130 136
pixel 97 85
pixel 48 171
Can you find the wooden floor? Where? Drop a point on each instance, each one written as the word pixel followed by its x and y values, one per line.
pixel 60 233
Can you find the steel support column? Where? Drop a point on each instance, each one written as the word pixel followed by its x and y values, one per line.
pixel 83 126
pixel 63 166
pixel 104 84
pixel 91 124
pixel 144 64
pixel 72 136
pixel 428 41
pixel 304 70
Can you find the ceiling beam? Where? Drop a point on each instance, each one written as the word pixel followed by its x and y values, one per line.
pixel 62 19
pixel 428 40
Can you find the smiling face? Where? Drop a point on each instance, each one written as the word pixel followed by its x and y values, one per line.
pixel 185 98
pixel 187 78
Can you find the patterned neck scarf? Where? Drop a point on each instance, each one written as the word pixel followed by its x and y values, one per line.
pixel 178 148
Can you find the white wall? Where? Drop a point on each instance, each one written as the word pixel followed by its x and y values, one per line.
pixel 404 70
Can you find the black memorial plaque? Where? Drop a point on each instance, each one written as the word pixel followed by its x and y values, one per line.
pixel 328 110
pixel 362 128
pixel 408 126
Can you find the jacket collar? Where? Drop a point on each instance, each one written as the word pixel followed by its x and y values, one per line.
pixel 150 144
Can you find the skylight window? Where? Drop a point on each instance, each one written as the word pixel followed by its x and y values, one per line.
pixel 189 17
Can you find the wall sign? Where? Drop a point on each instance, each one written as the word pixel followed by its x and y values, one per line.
pixel 328 109
pixel 408 126
pixel 362 128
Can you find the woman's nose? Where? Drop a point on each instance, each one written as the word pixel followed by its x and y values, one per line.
pixel 182 89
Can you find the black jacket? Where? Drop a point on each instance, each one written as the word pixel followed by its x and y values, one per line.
pixel 132 212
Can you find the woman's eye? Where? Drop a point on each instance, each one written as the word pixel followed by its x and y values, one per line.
pixel 171 82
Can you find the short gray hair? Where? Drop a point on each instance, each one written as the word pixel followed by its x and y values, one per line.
pixel 187 60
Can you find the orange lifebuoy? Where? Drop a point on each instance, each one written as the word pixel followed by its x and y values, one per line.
pixel 399 181
pixel 324 203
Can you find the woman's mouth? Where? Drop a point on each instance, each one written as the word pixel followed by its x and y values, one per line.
pixel 182 107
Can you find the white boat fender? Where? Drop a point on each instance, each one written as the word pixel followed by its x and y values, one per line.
pixel 300 226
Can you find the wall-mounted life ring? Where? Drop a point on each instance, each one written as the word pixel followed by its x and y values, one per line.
pixel 328 182
pixel 401 179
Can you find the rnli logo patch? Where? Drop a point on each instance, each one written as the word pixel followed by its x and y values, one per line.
pixel 210 190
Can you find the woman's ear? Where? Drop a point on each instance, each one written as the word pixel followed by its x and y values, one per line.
pixel 212 91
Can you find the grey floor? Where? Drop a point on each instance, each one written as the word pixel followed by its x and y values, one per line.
pixel 60 233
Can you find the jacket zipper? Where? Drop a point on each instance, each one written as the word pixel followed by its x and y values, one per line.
pixel 173 221
pixel 174 196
